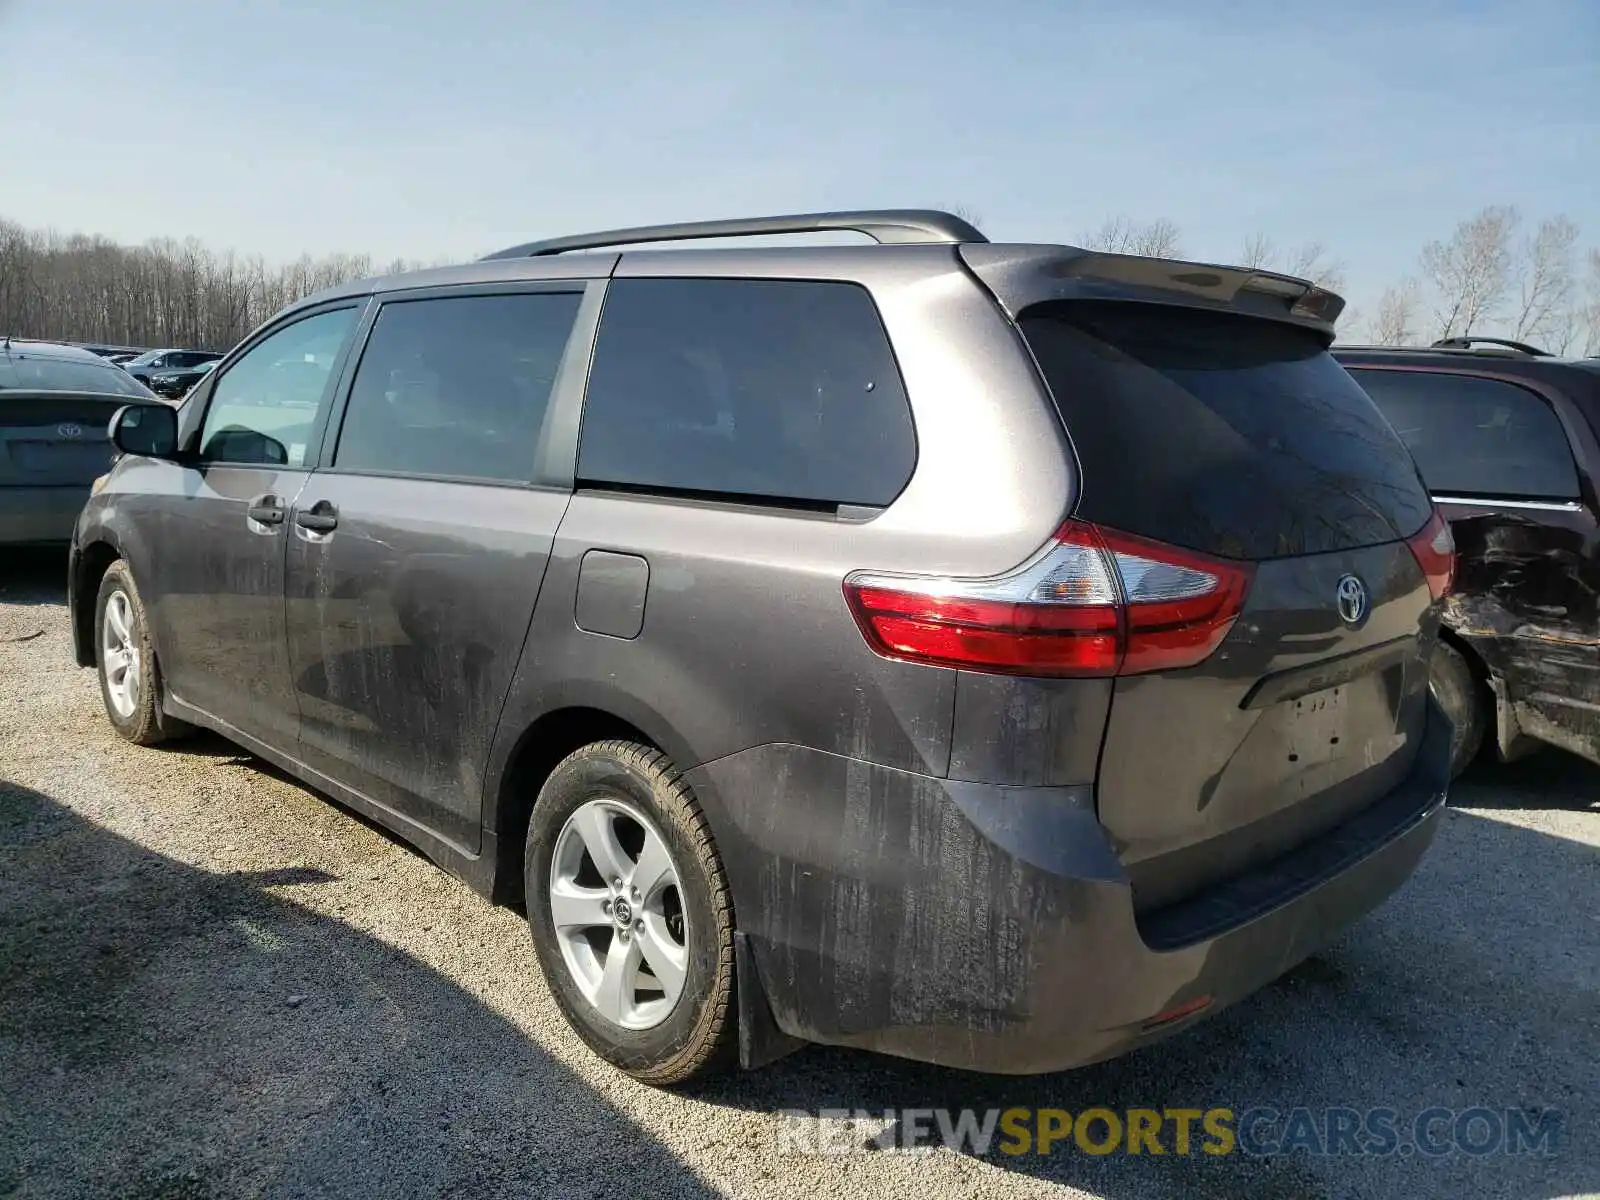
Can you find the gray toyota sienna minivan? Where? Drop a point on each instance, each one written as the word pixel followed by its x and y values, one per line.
pixel 995 655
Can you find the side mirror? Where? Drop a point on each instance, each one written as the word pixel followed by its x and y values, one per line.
pixel 150 430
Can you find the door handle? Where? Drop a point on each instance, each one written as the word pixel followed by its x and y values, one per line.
pixel 321 517
pixel 266 510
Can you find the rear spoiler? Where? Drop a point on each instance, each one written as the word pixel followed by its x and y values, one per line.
pixel 1024 275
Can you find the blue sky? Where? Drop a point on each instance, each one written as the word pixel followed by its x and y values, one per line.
pixel 429 130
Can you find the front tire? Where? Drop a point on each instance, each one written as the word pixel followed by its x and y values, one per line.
pixel 631 915
pixel 130 678
pixel 1461 696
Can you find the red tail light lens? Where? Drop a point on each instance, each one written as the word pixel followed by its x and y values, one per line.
pixel 1093 602
pixel 1180 605
pixel 1435 552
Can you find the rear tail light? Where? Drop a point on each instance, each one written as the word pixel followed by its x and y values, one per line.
pixel 1435 552
pixel 1093 602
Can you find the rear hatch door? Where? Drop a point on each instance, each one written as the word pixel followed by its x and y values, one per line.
pixel 1239 437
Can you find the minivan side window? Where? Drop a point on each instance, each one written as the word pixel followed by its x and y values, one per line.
pixel 264 407
pixel 772 390
pixel 457 386
pixel 1476 437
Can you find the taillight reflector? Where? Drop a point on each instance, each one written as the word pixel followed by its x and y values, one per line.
pixel 1435 551
pixel 1094 602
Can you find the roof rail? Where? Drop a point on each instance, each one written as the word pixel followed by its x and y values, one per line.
pixel 1496 351
pixel 889 225
pixel 1467 343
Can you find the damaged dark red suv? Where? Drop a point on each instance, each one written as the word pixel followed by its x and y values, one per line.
pixel 1505 436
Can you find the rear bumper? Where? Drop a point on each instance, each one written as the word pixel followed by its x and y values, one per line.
pixel 992 928
pixel 40 514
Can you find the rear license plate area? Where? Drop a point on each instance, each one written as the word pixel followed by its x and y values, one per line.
pixel 1318 725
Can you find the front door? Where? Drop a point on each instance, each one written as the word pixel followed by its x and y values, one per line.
pixel 417 552
pixel 212 565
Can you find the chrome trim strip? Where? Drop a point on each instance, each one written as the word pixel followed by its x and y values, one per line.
pixel 1537 505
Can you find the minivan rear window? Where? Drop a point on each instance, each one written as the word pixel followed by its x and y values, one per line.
pixel 1227 434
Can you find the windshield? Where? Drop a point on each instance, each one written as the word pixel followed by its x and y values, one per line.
pixel 67 375
pixel 145 359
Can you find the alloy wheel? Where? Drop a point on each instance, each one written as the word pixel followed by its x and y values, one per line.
pixel 618 912
pixel 119 654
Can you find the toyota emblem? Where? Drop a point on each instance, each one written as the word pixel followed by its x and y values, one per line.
pixel 69 430
pixel 1351 596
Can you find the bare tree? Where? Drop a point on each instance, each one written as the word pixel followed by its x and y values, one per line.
pixel 1258 251
pixel 1311 261
pixel 1123 235
pixel 1546 286
pixel 1471 273
pixel 1314 262
pixel 1589 315
pixel 163 293
pixel 1399 315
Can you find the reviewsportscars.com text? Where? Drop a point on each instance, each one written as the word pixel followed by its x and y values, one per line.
pixel 1260 1131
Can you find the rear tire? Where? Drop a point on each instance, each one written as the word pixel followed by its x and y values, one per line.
pixel 130 677
pixel 671 1017
pixel 1462 697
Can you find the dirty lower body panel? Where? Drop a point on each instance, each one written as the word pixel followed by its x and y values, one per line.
pixel 992 928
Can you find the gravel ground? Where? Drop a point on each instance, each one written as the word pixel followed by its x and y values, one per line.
pixel 215 983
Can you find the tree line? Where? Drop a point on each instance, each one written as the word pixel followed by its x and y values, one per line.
pixel 82 288
pixel 1494 275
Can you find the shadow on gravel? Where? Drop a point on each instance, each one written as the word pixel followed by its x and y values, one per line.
pixel 1478 984
pixel 1547 778
pixel 33 575
pixel 203 743
pixel 168 1032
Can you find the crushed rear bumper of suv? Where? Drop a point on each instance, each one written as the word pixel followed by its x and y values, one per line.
pixel 992 928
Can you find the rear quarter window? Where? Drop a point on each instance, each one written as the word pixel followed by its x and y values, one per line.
pixel 772 390
pixel 1227 434
pixel 1476 437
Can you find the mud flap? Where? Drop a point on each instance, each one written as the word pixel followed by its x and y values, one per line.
pixel 760 1040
